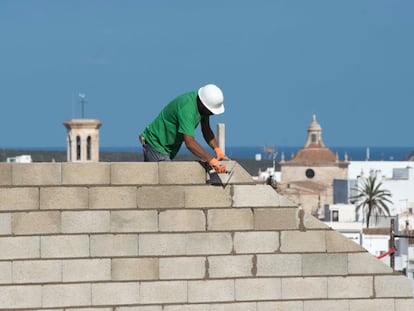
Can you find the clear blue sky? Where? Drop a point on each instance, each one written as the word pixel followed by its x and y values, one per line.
pixel 278 62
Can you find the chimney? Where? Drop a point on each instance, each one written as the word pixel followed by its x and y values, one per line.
pixel 221 139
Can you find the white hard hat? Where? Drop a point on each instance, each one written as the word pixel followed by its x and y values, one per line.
pixel 212 98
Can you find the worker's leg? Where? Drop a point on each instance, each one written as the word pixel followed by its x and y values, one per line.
pixel 151 155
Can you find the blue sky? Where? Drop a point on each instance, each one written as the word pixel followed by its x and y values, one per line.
pixel 278 62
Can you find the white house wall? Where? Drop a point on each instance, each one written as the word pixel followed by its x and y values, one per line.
pixel 386 167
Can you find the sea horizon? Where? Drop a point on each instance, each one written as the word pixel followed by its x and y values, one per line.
pixel 354 153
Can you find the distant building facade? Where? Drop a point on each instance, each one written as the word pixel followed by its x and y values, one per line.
pixel 82 140
pixel 307 179
pixel 20 159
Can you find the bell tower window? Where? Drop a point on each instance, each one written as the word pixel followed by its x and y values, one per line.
pixel 88 148
pixel 78 148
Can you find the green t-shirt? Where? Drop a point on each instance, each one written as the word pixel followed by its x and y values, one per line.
pixel 180 116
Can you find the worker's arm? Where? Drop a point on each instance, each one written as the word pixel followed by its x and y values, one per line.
pixel 196 148
pixel 211 140
pixel 208 134
pixel 200 152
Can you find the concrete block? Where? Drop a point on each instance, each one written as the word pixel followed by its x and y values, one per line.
pixel 112 245
pixel 211 291
pixel 85 221
pixel 163 292
pixel 181 173
pixel 371 264
pixel 350 287
pixel 37 271
pixel 182 268
pixel 64 246
pixel 12 199
pixel 86 270
pixel 254 196
pixel 241 306
pixel 230 219
pixel 182 220
pixel 134 173
pixel 207 196
pixel 338 243
pixel 298 241
pixel 311 222
pixel 285 202
pixel 208 243
pixel 258 289
pixel 184 244
pixel 62 295
pixel 5 224
pixel 61 198
pixel 327 305
pixel 6 174
pixel 86 173
pixel 19 247
pixel 113 197
pixel 403 304
pixel 20 296
pixel 275 219
pixel 230 266
pixel 304 288
pixel 136 269
pixel 238 175
pixel 36 174
pixel 160 197
pixel 5 272
pixel 187 307
pixel 280 306
pixel 393 286
pixel 114 293
pixel 162 244
pixel 373 305
pixel 142 308
pixel 325 264
pixel 134 221
pixel 279 265
pixel 36 223
pixel 256 242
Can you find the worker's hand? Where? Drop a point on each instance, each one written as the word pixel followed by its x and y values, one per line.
pixel 220 154
pixel 217 166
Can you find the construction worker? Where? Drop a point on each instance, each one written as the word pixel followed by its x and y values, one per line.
pixel 176 123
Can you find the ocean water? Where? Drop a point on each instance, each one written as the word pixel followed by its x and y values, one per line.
pixel 354 153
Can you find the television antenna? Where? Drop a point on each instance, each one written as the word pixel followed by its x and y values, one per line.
pixel 83 101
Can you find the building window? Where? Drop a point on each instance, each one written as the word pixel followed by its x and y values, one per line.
pixel 78 148
pixel 313 138
pixel 335 216
pixel 310 173
pixel 88 148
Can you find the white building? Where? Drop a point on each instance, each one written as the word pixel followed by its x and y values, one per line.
pixel 395 176
pixel 398 178
pixel 20 159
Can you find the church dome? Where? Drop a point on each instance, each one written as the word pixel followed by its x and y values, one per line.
pixel 314 155
pixel 314 151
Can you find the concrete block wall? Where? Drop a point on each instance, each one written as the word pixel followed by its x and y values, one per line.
pixel 166 236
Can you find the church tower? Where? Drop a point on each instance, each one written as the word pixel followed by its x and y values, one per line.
pixel 82 140
pixel 314 134
pixel 307 178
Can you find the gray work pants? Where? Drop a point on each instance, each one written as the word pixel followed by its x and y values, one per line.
pixel 151 155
